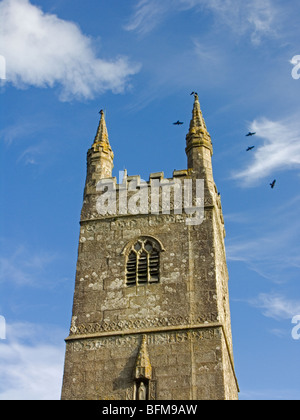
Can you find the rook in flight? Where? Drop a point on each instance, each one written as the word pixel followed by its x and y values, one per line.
pixel 273 184
pixel 178 123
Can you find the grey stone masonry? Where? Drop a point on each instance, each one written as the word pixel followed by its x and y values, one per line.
pixel 151 316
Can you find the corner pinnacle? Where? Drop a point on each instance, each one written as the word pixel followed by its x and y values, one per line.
pixel 197 137
pixel 197 123
pixel 102 134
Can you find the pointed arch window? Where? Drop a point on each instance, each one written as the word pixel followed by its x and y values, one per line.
pixel 143 262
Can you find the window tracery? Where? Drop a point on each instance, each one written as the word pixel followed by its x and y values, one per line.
pixel 143 262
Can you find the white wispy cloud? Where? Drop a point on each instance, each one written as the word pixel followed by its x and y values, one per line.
pixel 263 18
pixel 256 17
pixel 31 154
pixel 147 15
pixel 268 245
pixel 19 130
pixel 42 50
pixel 268 255
pixel 24 267
pixel 22 132
pixel 280 149
pixel 31 367
pixel 277 306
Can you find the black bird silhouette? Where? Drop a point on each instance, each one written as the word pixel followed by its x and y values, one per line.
pixel 194 93
pixel 250 148
pixel 273 184
pixel 250 134
pixel 178 123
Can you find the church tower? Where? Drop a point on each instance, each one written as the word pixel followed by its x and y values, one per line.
pixel 151 317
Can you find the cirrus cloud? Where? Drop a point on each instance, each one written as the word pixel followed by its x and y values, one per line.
pixel 277 306
pixel 279 151
pixel 256 17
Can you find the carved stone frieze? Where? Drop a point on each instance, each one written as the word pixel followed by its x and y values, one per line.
pixel 163 338
pixel 139 324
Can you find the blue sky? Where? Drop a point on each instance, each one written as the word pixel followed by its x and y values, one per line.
pixel 139 60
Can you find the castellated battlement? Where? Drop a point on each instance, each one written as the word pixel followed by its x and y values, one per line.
pixel 181 194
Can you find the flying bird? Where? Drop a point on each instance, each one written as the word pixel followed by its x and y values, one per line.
pixel 250 148
pixel 194 93
pixel 250 134
pixel 273 184
pixel 178 123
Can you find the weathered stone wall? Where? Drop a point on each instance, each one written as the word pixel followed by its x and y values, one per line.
pixel 191 278
pixel 187 364
pixel 187 272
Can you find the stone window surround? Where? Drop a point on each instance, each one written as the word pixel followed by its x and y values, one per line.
pixel 142 258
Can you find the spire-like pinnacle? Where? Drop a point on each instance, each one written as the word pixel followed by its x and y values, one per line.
pixel 197 124
pixel 102 134
pixel 143 368
pixel 198 138
pixel 100 155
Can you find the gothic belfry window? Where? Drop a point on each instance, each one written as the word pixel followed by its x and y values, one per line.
pixel 143 262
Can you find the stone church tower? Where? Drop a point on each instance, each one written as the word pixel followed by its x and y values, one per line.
pixel 151 318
